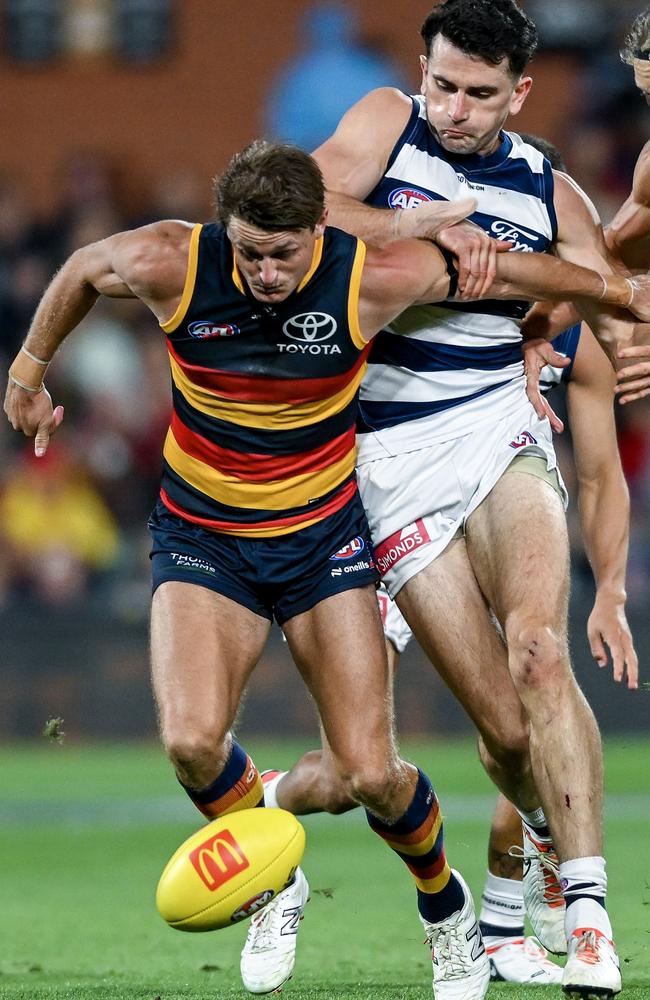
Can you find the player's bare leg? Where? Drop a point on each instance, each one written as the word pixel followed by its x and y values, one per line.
pixel 203 649
pixel 313 783
pixel 514 957
pixel 338 647
pixel 451 620
pixel 517 542
pixel 449 615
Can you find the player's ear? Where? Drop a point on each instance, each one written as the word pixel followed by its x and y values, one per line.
pixel 520 94
pixel 319 228
pixel 423 67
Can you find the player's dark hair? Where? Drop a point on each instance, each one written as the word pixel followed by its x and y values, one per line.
pixel 272 186
pixel 637 43
pixel 490 29
pixel 551 152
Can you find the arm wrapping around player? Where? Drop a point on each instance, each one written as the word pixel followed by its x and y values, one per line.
pixel 541 276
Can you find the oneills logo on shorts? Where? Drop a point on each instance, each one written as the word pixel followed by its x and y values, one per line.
pixel 403 542
pixel 218 859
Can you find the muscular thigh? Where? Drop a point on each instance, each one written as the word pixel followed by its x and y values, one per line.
pixel 518 548
pixel 203 648
pixel 338 646
pixel 449 616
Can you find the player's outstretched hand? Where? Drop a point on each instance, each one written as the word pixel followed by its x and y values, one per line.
pixel 537 354
pixel 608 627
pixel 633 379
pixel 477 257
pixel 425 220
pixel 33 414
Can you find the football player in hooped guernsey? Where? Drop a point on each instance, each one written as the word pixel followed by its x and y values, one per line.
pixel 444 409
pixel 268 315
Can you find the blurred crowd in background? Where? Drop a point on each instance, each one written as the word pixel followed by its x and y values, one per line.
pixel 72 524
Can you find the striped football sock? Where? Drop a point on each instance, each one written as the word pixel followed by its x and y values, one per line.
pixel 239 786
pixel 416 837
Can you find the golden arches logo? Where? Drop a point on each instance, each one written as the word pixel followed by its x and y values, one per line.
pixel 218 859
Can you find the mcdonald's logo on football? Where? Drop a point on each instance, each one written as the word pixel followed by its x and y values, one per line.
pixel 218 860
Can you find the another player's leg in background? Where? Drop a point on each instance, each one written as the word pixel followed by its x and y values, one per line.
pixel 518 546
pixel 514 957
pixel 203 649
pixel 339 649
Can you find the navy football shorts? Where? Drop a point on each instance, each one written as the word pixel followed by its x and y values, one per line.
pixel 274 577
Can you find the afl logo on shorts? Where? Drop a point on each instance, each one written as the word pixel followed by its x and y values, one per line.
pixel 203 330
pixel 309 328
pixel 352 549
pixel 407 197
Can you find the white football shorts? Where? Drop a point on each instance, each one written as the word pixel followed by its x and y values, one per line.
pixel 418 501
pixel 395 628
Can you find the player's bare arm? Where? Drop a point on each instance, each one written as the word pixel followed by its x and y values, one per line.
pixel 581 240
pixel 148 263
pixel 413 272
pixel 628 234
pixel 604 504
pixel 354 160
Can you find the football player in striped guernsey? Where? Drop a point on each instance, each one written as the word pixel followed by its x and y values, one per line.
pixel 443 409
pixel 268 316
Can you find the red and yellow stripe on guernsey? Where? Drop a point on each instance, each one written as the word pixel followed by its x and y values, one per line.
pixel 280 495
pixel 247 793
pixel 432 873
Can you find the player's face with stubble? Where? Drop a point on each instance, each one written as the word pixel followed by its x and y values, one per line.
pixel 272 263
pixel 468 99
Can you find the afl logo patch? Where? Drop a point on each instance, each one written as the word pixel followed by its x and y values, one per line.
pixel 203 330
pixel 407 197
pixel 310 327
pixel 352 549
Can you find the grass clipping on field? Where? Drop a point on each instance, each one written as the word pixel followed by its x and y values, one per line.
pixel 53 731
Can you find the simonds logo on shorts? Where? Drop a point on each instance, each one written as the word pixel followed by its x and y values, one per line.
pixel 394 548
pixel 351 549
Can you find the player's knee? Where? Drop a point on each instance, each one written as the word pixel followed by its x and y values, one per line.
pixel 194 750
pixel 538 655
pixel 508 748
pixel 375 784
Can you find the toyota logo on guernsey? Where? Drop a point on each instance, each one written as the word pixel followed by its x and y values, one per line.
pixel 407 197
pixel 204 330
pixel 307 331
pixel 403 542
pixel 352 549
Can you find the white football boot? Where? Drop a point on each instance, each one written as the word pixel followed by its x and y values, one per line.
pixel 521 960
pixel 592 971
pixel 543 899
pixel 461 968
pixel 269 955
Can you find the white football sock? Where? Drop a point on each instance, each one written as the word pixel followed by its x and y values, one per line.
pixel 271 791
pixel 502 904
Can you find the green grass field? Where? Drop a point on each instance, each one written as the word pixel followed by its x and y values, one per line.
pixel 84 834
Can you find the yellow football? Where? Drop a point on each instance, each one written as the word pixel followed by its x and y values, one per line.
pixel 229 869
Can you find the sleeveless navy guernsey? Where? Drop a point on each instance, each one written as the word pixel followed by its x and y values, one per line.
pixel 262 436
